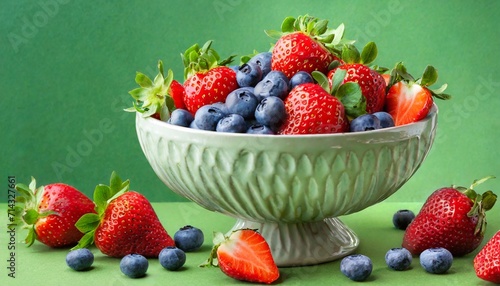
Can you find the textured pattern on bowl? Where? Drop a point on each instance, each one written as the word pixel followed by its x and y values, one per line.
pixel 285 179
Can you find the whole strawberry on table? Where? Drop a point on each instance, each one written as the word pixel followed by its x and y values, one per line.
pixel 453 218
pixel 50 212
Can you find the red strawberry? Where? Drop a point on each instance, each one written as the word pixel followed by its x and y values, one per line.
pixel 304 44
pixel 177 93
pixel 207 80
pixel 453 218
pixel 312 110
pixel 125 223
pixel 158 97
pixel 244 255
pixel 50 213
pixel 409 100
pixel 487 261
pixel 372 84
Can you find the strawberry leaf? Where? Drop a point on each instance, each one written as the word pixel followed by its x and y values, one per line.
pixel 352 98
pixel 350 54
pixel 288 25
pixel 30 216
pixel 86 240
pixel 369 53
pixel 429 77
pixel 489 200
pixel 322 80
pixel 143 80
pixel 88 222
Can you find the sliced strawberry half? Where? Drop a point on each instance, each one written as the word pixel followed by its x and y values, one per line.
pixel 409 100
pixel 244 255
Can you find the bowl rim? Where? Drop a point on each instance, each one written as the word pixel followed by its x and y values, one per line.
pixel 155 123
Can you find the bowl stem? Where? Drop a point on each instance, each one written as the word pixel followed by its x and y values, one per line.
pixel 307 243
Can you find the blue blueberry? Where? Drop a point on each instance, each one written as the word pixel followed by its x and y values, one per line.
pixel 271 112
pixel 189 238
pixel 134 265
pixel 356 267
pixel 181 117
pixel 248 74
pixel 365 122
pixel 402 218
pixel 80 259
pixel 232 123
pixel 243 102
pixel 398 259
pixel 436 260
pixel 385 118
pixel 207 116
pixel 222 106
pixel 275 83
pixel 263 60
pixel 172 258
pixel 300 78
pixel 260 129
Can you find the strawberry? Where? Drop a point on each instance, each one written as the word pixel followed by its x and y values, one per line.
pixel 207 80
pixel 409 100
pixel 357 69
pixel 305 44
pixel 312 110
pixel 453 218
pixel 177 93
pixel 487 261
pixel 156 98
pixel 50 213
pixel 244 255
pixel 125 223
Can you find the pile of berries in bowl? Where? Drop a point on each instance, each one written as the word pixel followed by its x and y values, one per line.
pixel 288 140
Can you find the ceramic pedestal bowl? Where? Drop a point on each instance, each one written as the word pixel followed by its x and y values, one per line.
pixel 291 188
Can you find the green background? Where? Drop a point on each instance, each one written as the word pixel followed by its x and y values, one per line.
pixel 66 67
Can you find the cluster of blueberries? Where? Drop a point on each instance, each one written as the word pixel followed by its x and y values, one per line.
pixel 187 238
pixel 358 267
pixel 255 107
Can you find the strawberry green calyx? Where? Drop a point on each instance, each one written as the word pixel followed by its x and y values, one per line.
pixel 348 93
pixel 26 211
pixel 219 237
pixel 482 203
pixel 103 195
pixel 152 97
pixel 428 78
pixel 196 59
pixel 333 39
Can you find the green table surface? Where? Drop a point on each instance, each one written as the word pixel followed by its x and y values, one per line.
pixel 40 265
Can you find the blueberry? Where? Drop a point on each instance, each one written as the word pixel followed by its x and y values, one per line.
pixel 189 238
pixel 222 106
pixel 271 112
pixel 134 265
pixel 385 118
pixel 248 74
pixel 300 78
pixel 275 83
pixel 356 267
pixel 365 122
pixel 80 259
pixel 436 260
pixel 207 116
pixel 260 129
pixel 243 102
pixel 398 259
pixel 181 117
pixel 402 218
pixel 232 123
pixel 172 258
pixel 263 60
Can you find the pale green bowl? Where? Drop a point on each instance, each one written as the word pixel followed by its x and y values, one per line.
pixel 291 188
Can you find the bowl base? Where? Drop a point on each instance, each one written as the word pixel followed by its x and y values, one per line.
pixel 306 243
